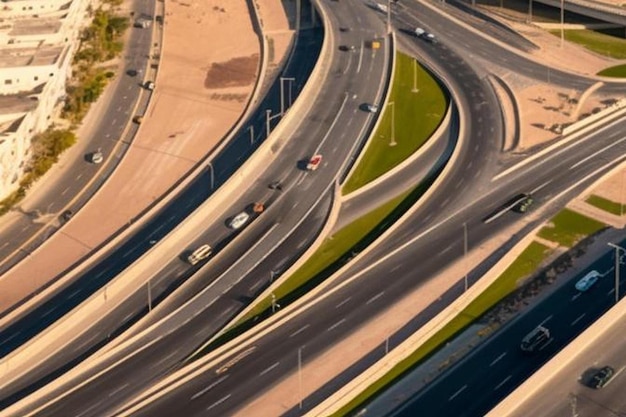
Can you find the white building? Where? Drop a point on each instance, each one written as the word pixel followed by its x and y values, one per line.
pixel 37 42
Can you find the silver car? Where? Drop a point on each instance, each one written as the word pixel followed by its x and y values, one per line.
pixel 239 220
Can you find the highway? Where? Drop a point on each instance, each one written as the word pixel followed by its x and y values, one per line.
pixel 496 367
pixel 38 319
pixel 80 179
pixel 333 136
pixel 566 392
pixel 549 176
pixel 325 318
pixel 333 317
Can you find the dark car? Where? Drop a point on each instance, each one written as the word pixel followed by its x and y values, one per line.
pixel 521 203
pixel 347 47
pixel 275 185
pixel 66 215
pixel 602 377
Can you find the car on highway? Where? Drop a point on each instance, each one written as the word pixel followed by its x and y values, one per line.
pixel 602 377
pixel 149 85
pixel 199 254
pixel 239 220
pixel 66 215
pixel 370 108
pixel 534 340
pixel 521 203
pixel 587 281
pixel 314 162
pixel 275 185
pixel 347 48
pixel 138 119
pixel 134 72
pixel 96 157
pixel 344 29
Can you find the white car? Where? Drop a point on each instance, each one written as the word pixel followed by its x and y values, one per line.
pixel 587 281
pixel 96 157
pixel 199 254
pixel 314 162
pixel 372 108
pixel 419 32
pixel 239 220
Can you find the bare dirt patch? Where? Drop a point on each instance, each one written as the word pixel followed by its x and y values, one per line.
pixel 236 72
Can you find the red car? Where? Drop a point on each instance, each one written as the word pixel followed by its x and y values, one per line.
pixel 314 162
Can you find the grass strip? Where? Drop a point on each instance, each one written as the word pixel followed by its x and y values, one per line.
pixel 607 205
pixel 527 262
pixel 568 227
pixel 417 115
pixel 618 71
pixel 597 42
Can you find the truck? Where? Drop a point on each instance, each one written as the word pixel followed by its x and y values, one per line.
pixel 314 162
pixel 258 208
pixel 375 44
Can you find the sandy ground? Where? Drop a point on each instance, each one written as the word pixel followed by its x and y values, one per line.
pixel 202 89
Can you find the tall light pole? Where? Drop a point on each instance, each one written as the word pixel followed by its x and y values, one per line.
pixel 275 305
pixel 212 175
pixel 300 375
pixel 465 253
pixel 388 16
pixel 530 11
pixel 267 123
pixel 562 22
pixel 282 95
pixel 617 263
pixel 149 295
pixel 251 127
pixel 415 89
pixel 392 141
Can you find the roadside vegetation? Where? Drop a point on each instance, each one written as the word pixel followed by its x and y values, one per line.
pixel 46 148
pixel 567 228
pixel 607 205
pixel 618 71
pixel 600 43
pixel 419 104
pixel 100 42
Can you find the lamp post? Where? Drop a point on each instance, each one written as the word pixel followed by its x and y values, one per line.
pixel 282 95
pixel 212 175
pixel 415 89
pixel 392 141
pixel 251 128
pixel 617 263
pixel 267 122
pixel 562 23
pixel 388 16
pixel 275 305
pixel 149 296
pixel 530 11
pixel 466 285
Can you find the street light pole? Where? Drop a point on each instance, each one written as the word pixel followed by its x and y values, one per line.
pixel 465 253
pixel 251 134
pixel 212 175
pixel 300 375
pixel 562 22
pixel 393 142
pixel 530 11
pixel 617 263
pixel 415 89
pixel 282 93
pixel 388 16
pixel 149 295
pixel 267 122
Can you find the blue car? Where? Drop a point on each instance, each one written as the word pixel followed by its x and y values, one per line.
pixel 587 281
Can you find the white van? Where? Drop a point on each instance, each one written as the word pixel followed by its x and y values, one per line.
pixel 199 254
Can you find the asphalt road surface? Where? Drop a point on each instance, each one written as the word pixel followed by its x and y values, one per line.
pixel 473 386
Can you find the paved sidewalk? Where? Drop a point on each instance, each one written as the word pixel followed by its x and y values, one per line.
pixel 201 92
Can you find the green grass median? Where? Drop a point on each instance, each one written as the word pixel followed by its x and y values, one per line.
pixel 417 115
pixel 618 71
pixel 607 205
pixel 597 42
pixel 568 227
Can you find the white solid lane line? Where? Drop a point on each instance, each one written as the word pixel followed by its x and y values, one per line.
pixel 374 298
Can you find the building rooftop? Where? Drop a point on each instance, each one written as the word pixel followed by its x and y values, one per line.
pixel 24 57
